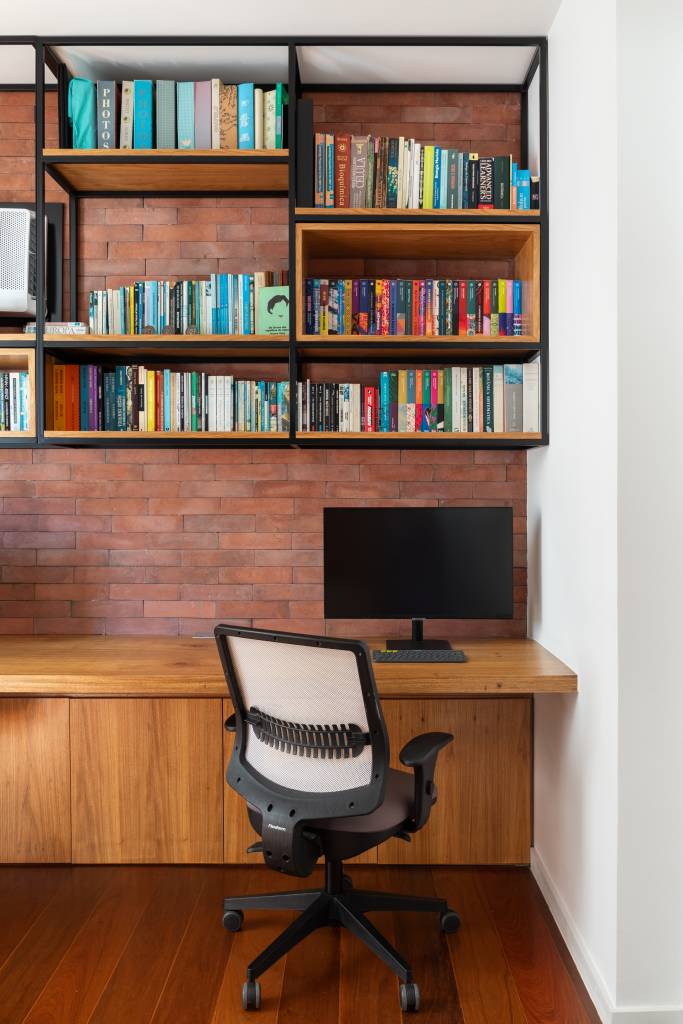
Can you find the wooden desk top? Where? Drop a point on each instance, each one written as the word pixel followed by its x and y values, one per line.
pixel 153 667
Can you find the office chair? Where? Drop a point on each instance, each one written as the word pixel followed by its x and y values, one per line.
pixel 311 760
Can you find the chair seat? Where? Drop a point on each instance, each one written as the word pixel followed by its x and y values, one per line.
pixel 397 807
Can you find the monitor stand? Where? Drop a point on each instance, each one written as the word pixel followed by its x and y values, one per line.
pixel 417 642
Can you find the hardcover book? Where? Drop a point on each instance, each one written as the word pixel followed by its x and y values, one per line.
pixel 143 127
pixel 107 114
pixel 485 185
pixel 185 114
pixel 342 170
pixel 530 397
pixel 202 115
pixel 513 396
pixel 228 117
pixel 359 170
pixel 166 121
pixel 269 119
pixel 127 111
pixel 258 118
pixel 82 107
pixel 216 90
pixel 245 115
pixel 280 115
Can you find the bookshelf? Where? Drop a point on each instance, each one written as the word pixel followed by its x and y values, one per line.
pixel 14 358
pixel 337 75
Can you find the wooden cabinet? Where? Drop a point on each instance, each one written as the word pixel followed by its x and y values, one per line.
pixel 34 781
pixel 483 811
pixel 146 780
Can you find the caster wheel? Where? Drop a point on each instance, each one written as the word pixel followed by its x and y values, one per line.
pixel 450 922
pixel 232 920
pixel 251 995
pixel 409 995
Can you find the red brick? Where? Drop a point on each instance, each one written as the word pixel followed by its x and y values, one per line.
pixel 141 627
pixel 39 609
pixel 181 574
pixel 71 556
pixel 175 609
pixel 149 556
pixel 471 473
pixel 145 523
pixel 256 541
pixel 70 591
pixel 143 592
pixel 409 471
pixel 219 524
pixel 108 471
pixel 287 592
pixel 180 472
pixel 307 574
pixel 15 627
pixel 306 609
pixel 380 489
pixel 216 488
pixel 17 592
pixel 259 473
pixel 145 456
pixel 36 573
pixel 218 558
pixel 108 574
pixel 307 540
pixel 215 456
pixel 70 626
pixel 106 609
pixel 183 506
pixel 288 488
pixel 35 539
pixel 255 574
pixel 297 557
pixel 508 489
pixel 21 506
pixel 250 609
pixel 111 506
pixel 246 506
pixel 436 490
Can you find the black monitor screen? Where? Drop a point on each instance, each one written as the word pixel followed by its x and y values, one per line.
pixel 436 563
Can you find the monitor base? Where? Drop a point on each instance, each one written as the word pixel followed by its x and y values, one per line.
pixel 417 645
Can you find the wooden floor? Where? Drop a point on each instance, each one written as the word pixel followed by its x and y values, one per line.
pixel 135 945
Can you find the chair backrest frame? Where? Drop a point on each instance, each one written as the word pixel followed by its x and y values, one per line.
pixel 263 793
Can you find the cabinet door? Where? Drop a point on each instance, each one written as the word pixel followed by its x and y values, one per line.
pixel 237 832
pixel 146 780
pixel 483 811
pixel 34 780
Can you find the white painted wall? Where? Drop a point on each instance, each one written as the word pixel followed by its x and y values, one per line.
pixel 572 494
pixel 650 873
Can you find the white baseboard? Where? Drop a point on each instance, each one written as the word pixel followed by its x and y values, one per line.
pixel 607 1010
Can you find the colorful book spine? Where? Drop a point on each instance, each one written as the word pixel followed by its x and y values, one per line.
pixel 245 116
pixel 107 114
pixel 185 114
pixel 166 119
pixel 143 124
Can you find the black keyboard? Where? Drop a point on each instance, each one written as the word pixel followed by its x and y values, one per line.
pixel 418 655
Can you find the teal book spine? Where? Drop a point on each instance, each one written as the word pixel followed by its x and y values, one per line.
pixel 166 121
pixel 82 113
pixel 410 400
pixel 436 198
pixel 384 401
pixel 393 400
pixel 245 115
pixel 143 125
pixel 83 396
pixel 452 180
pixel 167 399
pixel 120 398
pixel 280 114
pixel 185 114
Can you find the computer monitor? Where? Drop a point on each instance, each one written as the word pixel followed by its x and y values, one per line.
pixel 418 563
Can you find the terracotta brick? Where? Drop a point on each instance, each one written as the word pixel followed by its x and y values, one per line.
pixel 256 541
pixel 18 557
pixel 219 523
pixel 215 456
pixel 183 506
pixel 145 456
pixel 307 540
pixel 509 489
pixel 70 626
pixel 106 609
pixel 490 473
pixel 143 592
pixel 110 506
pixel 436 490
pixel 297 557
pixel 409 471
pixel 108 574
pixel 251 609
pixel 141 627
pixel 180 472
pixel 316 627
pixel 307 574
pixel 17 592
pixel 175 609
pixel 35 539
pixel 36 573
pixel 306 609
pixel 179 574
pixel 21 506
pixel 244 506
pixel 287 592
pixel 255 574
pixel 288 488
pixel 149 556
pixel 379 489
pixel 16 627
pixel 216 488
pixel 217 558
pixel 70 556
pixel 260 472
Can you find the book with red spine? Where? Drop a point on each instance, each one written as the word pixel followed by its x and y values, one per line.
pixel 434 399
pixel 415 325
pixel 342 166
pixel 462 307
pixel 479 308
pixel 369 424
pixel 486 309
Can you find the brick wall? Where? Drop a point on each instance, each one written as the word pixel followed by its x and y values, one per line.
pixel 170 542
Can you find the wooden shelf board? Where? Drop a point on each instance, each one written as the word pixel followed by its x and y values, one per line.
pixel 363 211
pixel 402 435
pixel 417 339
pixel 145 435
pixel 189 346
pixel 153 171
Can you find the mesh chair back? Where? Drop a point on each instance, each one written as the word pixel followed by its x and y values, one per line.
pixel 308 717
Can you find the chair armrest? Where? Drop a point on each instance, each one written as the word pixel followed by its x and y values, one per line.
pixel 420 754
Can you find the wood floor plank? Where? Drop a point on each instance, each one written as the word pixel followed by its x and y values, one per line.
pixel 368 990
pixel 259 930
pixel 32 962
pixel 24 893
pixel 420 940
pixel 76 985
pixel 547 991
pixel 194 981
pixel 486 987
pixel 135 985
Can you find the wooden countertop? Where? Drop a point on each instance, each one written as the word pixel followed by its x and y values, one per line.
pixel 178 667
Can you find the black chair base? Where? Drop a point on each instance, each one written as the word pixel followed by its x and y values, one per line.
pixel 338 903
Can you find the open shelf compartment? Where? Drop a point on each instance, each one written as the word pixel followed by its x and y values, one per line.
pixel 14 360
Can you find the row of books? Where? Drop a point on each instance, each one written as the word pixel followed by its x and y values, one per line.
pixel 14 401
pixel 143 114
pixel 224 304
pixel 135 398
pixel 369 171
pixel 457 399
pixel 428 307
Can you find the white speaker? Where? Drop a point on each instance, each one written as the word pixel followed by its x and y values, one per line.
pixel 17 261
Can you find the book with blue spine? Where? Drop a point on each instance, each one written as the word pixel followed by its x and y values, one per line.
pixel 167 399
pixel 246 304
pixel 185 114
pixel 143 106
pixel 245 115
pixel 513 186
pixel 436 188
pixel 523 190
pixel 393 322
pixel 517 307
pixel 384 401
pixel 120 397
pixel 329 170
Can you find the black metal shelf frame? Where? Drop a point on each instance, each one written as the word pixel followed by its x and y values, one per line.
pixel 46 56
